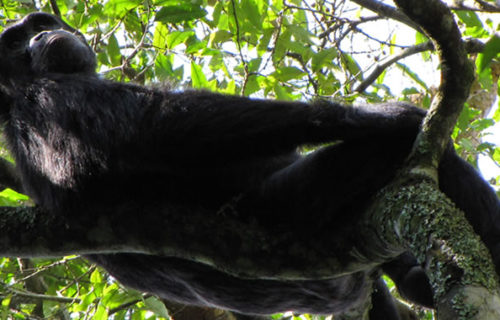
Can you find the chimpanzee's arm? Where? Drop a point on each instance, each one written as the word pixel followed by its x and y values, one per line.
pixel 191 125
pixel 201 122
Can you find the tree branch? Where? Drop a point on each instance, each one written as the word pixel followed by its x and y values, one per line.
pixel 457 75
pixel 55 8
pixel 414 213
pixel 31 232
pixel 37 296
pixel 388 12
pixel 472 46
pixel 238 41
pixel 381 67
pixel 484 6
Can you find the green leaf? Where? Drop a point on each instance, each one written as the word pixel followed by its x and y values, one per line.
pixel 288 73
pixel 328 85
pixel 231 87
pixel 193 45
pixel 101 313
pixel 282 93
pixel 49 308
pixel 484 77
pixel 482 124
pixel 323 58
pixel 160 36
pixel 217 63
pixel 164 67
pixel 496 115
pixel 352 66
pixel 254 64
pixel 252 85
pixel 412 75
pixel 97 282
pixel 120 7
pixel 299 47
pixel 282 45
pixel 491 51
pixel 486 146
pixel 278 5
pixel 6 301
pixel 220 36
pixel 96 277
pixel 114 297
pixel 496 155
pixel 301 34
pixel 421 38
pixel 155 305
pixel 251 11
pixel 408 91
pixel 133 25
pixel 198 79
pixel 264 40
pixel 5 306
pixel 474 26
pixel 178 13
pixel 222 20
pixel 10 198
pixel 466 116
pixel 175 38
pixel 381 77
pixel 13 195
pixel 469 18
pixel 113 51
pixel 466 144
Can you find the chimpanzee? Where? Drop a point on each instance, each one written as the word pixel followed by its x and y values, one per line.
pixel 88 146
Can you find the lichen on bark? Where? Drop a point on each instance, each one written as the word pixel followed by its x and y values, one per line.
pixel 419 218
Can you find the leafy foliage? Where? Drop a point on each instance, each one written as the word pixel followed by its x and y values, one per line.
pixel 295 49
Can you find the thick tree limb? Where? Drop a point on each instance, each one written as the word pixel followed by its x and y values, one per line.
pixel 457 76
pixel 459 266
pixel 413 212
pixel 261 253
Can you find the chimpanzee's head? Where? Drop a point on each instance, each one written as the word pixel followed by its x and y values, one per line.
pixel 42 43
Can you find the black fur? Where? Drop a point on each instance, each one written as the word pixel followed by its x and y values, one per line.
pixel 86 146
pixel 384 310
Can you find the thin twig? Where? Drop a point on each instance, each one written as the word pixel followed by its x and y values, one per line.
pixel 238 41
pixel 55 8
pixel 37 296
